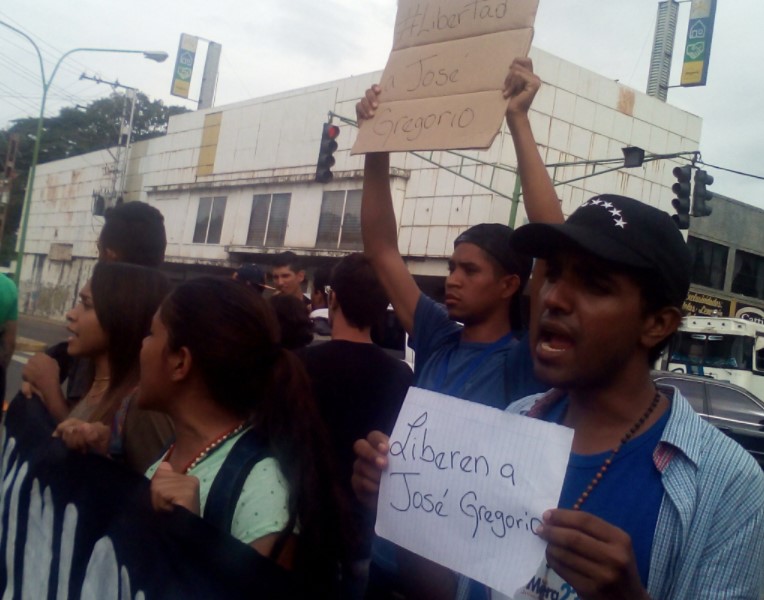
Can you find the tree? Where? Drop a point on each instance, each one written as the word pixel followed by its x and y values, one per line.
pixel 72 132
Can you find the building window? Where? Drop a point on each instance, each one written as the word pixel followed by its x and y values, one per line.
pixel 709 262
pixel 339 225
pixel 209 220
pixel 748 279
pixel 268 221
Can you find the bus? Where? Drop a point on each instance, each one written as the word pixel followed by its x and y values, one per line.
pixel 723 348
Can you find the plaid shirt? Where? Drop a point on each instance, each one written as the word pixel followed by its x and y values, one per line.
pixel 709 539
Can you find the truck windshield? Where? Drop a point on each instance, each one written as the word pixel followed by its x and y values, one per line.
pixel 712 350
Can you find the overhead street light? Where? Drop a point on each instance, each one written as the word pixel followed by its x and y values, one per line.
pixel 154 55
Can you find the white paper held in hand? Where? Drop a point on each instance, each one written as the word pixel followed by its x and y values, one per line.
pixel 467 486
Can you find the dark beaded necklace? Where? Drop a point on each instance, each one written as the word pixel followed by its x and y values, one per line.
pixel 609 460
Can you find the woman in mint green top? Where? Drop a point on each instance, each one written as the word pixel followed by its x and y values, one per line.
pixel 265 489
pixel 212 362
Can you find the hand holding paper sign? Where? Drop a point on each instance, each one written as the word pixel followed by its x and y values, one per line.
pixel 467 486
pixel 371 461
pixel 422 578
pixel 593 556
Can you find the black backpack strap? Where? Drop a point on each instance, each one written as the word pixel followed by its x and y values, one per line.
pixel 226 487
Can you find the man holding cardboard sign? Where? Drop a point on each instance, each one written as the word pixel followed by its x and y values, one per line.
pixel 482 360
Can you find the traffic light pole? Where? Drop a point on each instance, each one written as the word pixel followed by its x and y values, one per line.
pixel 682 218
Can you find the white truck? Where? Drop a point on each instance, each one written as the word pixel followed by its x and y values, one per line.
pixel 722 348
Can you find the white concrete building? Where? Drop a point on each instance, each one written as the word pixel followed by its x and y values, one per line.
pixel 236 183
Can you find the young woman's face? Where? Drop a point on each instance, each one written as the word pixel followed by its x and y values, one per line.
pixel 87 336
pixel 155 373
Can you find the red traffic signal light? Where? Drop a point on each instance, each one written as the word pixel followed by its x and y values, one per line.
pixel 326 160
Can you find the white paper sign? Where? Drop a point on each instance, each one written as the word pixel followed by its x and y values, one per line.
pixel 467 485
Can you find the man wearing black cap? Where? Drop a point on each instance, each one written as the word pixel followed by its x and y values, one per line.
pixel 656 503
pixel 480 359
pixel 617 273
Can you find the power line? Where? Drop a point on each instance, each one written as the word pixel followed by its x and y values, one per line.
pixel 30 77
pixel 731 170
pixel 48 51
pixel 26 75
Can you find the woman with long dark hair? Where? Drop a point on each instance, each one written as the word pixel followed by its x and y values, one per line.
pixel 213 363
pixel 107 326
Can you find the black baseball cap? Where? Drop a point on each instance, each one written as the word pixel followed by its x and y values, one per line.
pixel 622 231
pixel 495 240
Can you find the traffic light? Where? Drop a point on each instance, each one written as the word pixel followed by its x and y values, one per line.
pixel 682 201
pixel 326 153
pixel 700 195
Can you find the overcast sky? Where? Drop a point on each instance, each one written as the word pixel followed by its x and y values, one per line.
pixel 275 45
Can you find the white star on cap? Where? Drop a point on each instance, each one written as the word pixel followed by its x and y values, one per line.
pixel 620 223
pixel 615 212
pixel 607 205
pixel 595 201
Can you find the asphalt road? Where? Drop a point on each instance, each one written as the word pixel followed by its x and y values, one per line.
pixel 34 334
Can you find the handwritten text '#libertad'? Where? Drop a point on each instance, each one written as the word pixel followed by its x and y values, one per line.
pixel 423 18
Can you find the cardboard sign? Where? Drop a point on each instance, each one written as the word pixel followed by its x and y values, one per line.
pixel 442 86
pixel 467 485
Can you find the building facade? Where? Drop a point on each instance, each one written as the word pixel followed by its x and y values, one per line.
pixel 236 183
pixel 728 262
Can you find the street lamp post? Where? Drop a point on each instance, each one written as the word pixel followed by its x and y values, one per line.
pixel 157 56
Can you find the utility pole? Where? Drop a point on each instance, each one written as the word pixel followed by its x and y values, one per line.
pixel 6 179
pixel 209 76
pixel 119 171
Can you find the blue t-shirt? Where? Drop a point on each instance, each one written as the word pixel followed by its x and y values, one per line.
pixel 628 496
pixel 473 371
pixel 630 493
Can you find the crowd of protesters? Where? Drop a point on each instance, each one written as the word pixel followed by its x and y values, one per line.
pixel 219 375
